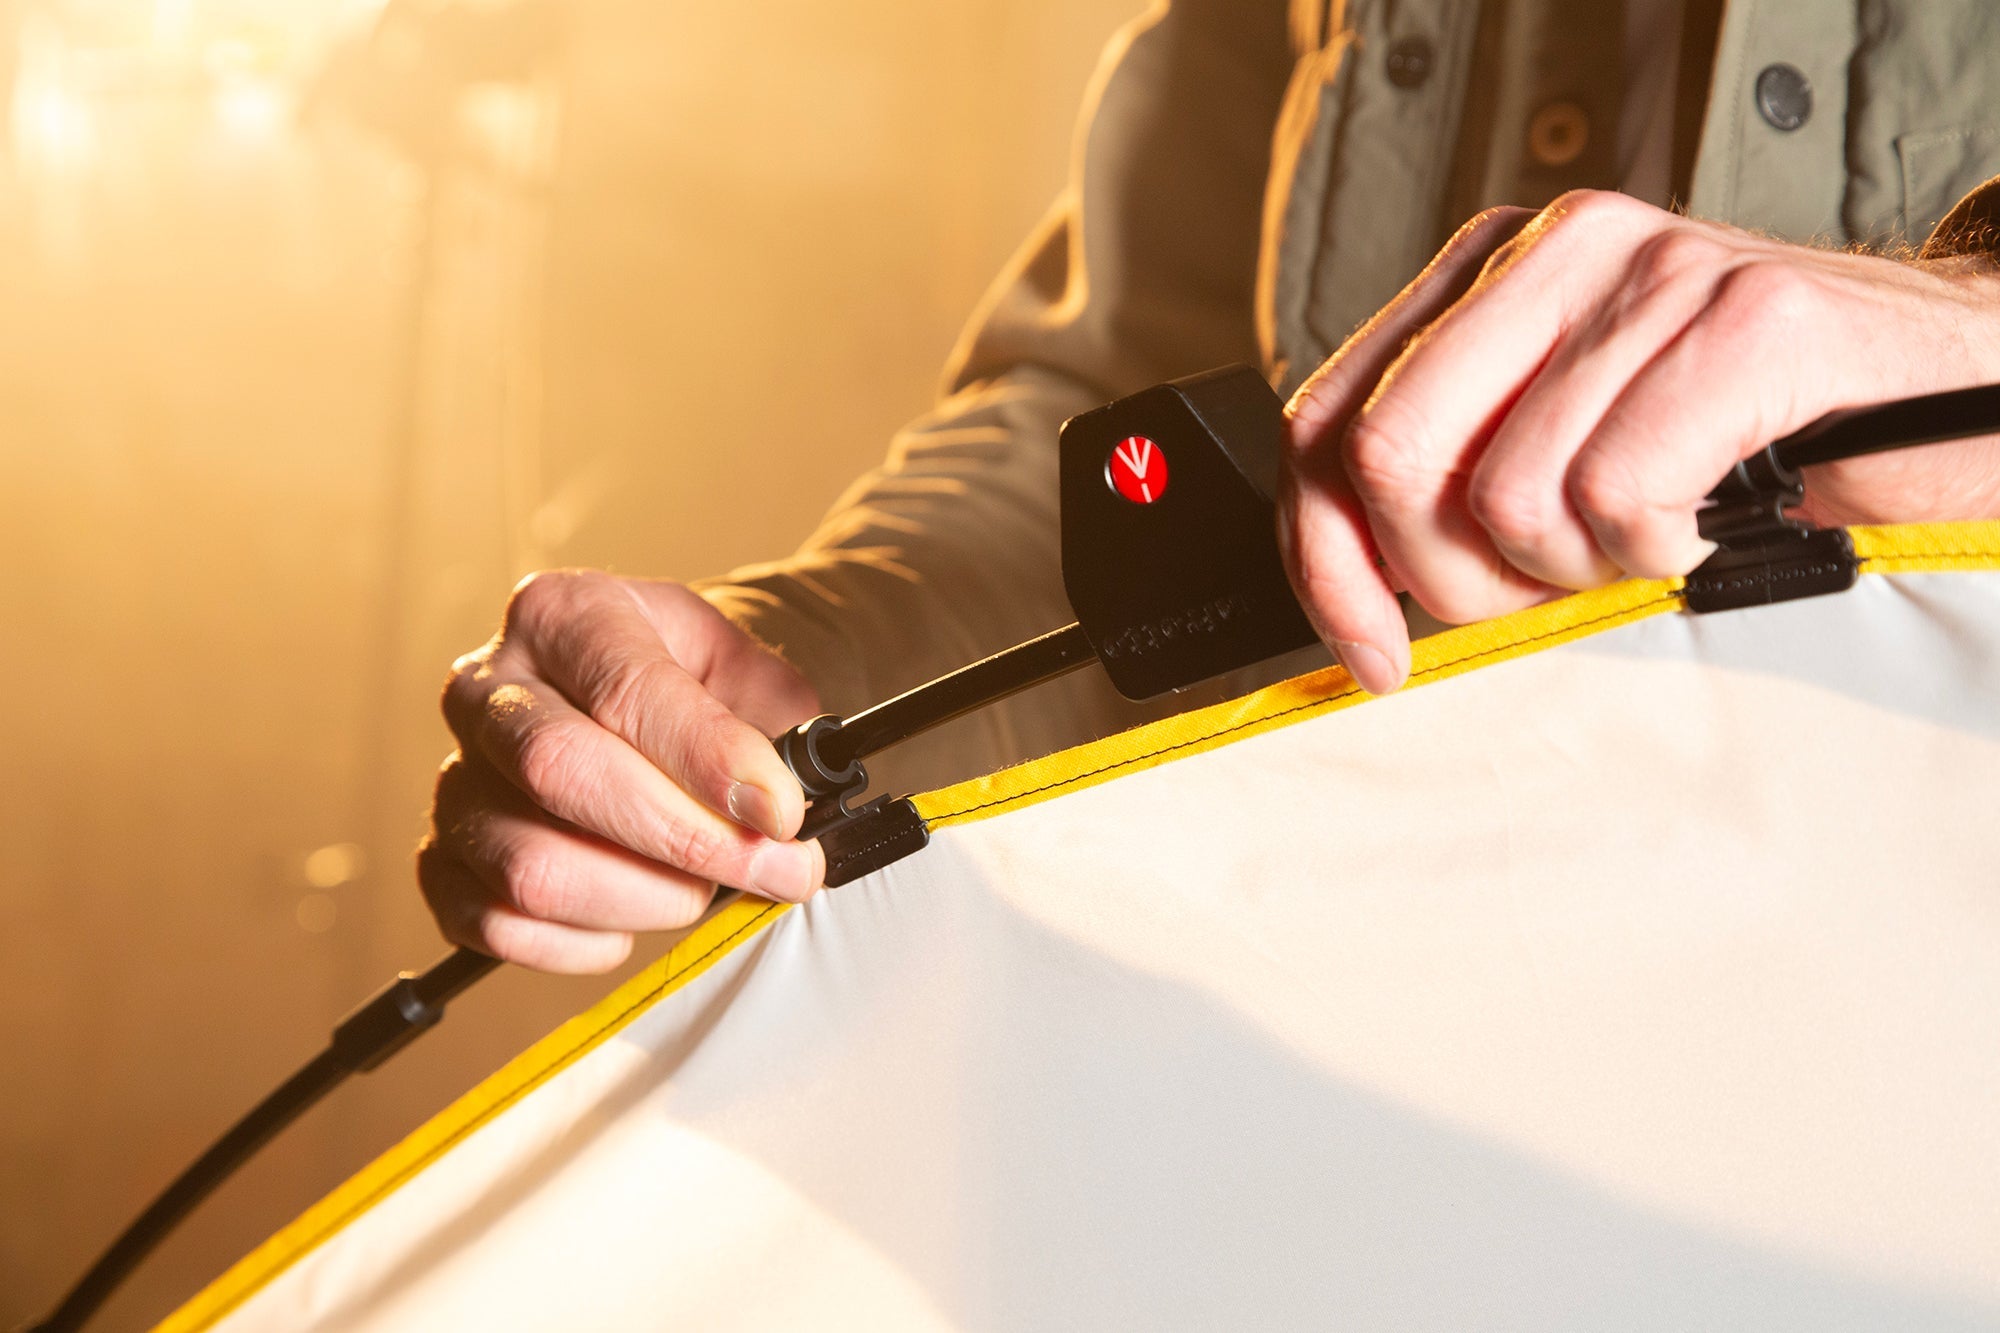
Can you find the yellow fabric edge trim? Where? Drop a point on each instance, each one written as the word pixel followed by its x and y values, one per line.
pixel 1916 548
pixel 1908 548
pixel 1897 549
pixel 1442 655
pixel 701 949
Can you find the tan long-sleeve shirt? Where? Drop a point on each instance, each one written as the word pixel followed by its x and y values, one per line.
pixel 1255 178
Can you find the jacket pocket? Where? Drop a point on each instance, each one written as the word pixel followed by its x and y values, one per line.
pixel 1940 167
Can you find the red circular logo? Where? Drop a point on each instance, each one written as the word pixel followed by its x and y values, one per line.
pixel 1137 470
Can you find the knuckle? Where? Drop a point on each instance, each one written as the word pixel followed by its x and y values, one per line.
pixel 449 787
pixel 543 596
pixel 1589 208
pixel 551 760
pixel 612 948
pixel 531 595
pixel 686 908
pixel 1605 491
pixel 1580 219
pixel 1763 294
pixel 1384 450
pixel 1514 514
pixel 1670 256
pixel 678 594
pixel 1479 225
pixel 451 894
pixel 538 881
pixel 465 687
pixel 534 945
pixel 508 938
pixel 432 877
pixel 451 769
pixel 623 696
pixel 704 741
pixel 1301 551
pixel 1316 581
pixel 692 846
pixel 1459 604
pixel 1498 215
pixel 1511 252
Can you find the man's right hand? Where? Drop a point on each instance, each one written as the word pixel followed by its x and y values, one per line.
pixel 613 766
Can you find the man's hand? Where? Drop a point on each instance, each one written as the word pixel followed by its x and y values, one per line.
pixel 613 766
pixel 1547 405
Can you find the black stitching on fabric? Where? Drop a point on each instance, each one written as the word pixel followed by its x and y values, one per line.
pixel 1297 708
pixel 390 1186
pixel 1880 556
pixel 1456 661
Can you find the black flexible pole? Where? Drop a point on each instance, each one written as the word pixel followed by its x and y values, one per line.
pixel 1907 423
pixel 410 1005
pixel 965 690
pixel 390 1020
pixel 1766 486
pixel 302 1090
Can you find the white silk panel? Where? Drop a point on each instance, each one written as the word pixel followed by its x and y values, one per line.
pixel 1651 982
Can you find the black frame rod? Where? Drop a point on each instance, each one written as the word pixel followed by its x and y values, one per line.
pixel 413 1003
pixel 391 1019
pixel 319 1076
pixel 1935 418
pixel 965 690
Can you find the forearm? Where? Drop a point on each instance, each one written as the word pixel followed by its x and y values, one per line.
pixel 944 554
pixel 1146 271
pixel 1954 344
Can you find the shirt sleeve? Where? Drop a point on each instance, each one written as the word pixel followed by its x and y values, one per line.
pixel 1144 271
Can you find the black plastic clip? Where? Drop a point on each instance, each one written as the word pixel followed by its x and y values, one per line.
pixel 880 833
pixel 1765 554
pixel 857 840
pixel 828 779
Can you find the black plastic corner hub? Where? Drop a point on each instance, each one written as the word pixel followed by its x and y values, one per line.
pixel 1764 554
pixel 805 751
pixel 1168 548
pixel 1169 560
pixel 880 833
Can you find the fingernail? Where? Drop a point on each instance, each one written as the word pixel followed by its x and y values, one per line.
pixel 753 807
pixel 1370 666
pixel 782 870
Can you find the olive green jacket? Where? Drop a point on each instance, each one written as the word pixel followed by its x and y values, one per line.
pixel 1252 181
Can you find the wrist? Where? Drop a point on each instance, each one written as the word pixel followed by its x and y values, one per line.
pixel 1956 333
pixel 1949 338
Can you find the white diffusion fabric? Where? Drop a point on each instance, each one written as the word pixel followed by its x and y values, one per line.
pixel 1651 982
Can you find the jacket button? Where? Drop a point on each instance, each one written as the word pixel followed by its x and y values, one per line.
pixel 1410 60
pixel 1784 97
pixel 1558 134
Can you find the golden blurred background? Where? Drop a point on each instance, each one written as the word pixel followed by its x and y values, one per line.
pixel 321 322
